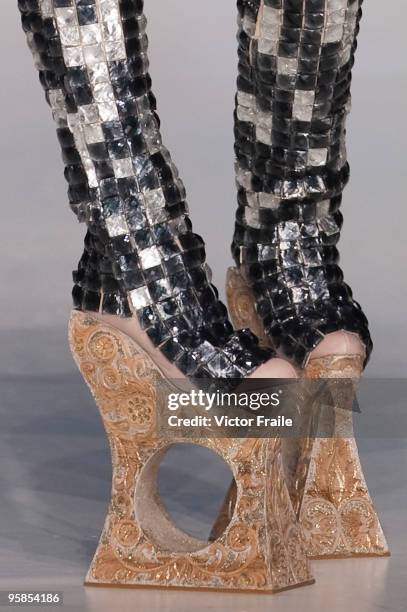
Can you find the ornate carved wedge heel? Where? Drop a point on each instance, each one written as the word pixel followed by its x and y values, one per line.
pixel 334 506
pixel 261 548
pixel 337 512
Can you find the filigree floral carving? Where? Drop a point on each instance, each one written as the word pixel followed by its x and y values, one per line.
pixel 261 546
pixel 327 487
pixel 242 306
pixel 337 514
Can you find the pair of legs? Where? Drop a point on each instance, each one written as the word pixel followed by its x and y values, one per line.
pixel 143 268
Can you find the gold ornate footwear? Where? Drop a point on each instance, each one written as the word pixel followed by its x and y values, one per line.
pixel 333 503
pixel 262 547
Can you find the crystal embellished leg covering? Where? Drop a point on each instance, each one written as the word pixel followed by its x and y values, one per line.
pixel 141 256
pixel 295 60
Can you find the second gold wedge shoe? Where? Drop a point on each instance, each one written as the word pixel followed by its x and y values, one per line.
pixel 334 506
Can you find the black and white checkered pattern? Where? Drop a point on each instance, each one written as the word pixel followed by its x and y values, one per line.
pixel 141 256
pixel 295 60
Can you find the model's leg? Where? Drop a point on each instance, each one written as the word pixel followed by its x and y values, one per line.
pixel 141 257
pixel 295 60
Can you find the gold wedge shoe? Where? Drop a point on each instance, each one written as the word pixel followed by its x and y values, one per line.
pixel 261 548
pixel 329 491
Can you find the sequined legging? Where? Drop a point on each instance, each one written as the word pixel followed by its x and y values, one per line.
pixel 295 61
pixel 140 252
pixel 141 256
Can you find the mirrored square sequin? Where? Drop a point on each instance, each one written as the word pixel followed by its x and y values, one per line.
pixel 268 46
pixel 268 200
pixel 109 10
pixel 140 298
pixel 111 30
pixel 98 73
pixel 89 113
pixel 122 167
pixel 150 257
pixel 115 50
pixel 73 56
pixel 70 36
pixel 271 16
pixel 93 133
pixel 154 198
pixel 90 34
pixel 108 111
pixel 289 231
pixel 66 17
pixel 317 157
pixel 94 54
pixel 287 65
pixel 116 225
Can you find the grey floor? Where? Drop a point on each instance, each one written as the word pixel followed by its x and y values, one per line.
pixel 55 484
